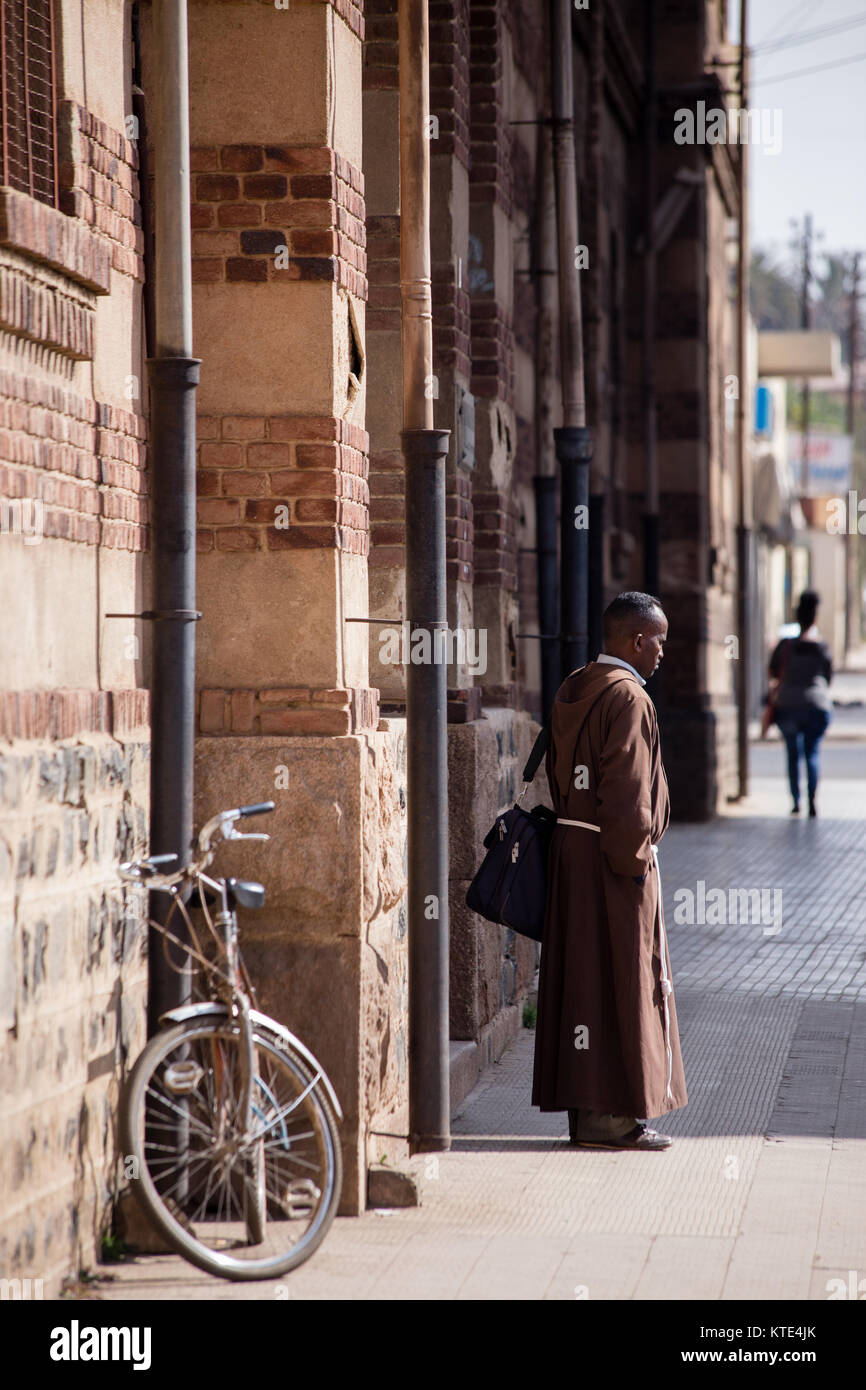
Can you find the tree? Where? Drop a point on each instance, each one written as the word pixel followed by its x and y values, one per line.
pixel 773 294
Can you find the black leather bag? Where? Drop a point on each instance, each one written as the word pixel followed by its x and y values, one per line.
pixel 510 887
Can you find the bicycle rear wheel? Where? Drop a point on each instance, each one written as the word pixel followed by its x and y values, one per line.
pixel 241 1207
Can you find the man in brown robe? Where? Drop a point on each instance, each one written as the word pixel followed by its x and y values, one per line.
pixel 607 1047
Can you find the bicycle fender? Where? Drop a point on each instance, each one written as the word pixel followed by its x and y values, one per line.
pixel 185 1011
pixel 214 1008
pixel 283 1033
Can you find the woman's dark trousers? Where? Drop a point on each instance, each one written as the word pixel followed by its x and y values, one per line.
pixel 803 729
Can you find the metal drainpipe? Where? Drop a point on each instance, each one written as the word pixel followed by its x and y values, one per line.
pixel 424 453
pixel 652 577
pixel 173 375
pixel 545 481
pixel 744 550
pixel 572 441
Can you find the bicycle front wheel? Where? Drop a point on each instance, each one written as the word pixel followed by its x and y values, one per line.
pixel 240 1205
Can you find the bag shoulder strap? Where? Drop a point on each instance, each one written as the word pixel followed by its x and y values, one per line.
pixel 539 748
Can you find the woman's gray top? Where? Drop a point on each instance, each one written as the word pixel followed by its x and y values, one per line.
pixel 805 667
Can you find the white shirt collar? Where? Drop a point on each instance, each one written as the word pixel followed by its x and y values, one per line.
pixel 617 661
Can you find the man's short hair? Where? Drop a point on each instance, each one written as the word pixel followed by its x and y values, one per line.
pixel 628 613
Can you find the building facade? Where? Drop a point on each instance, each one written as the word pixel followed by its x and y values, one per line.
pixel 295 214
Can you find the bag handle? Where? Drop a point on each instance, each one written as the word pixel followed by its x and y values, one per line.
pixel 539 748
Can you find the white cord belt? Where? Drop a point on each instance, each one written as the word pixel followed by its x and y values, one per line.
pixel 666 986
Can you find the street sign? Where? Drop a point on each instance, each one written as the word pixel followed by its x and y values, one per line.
pixel 829 466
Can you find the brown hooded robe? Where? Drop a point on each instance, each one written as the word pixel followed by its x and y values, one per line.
pixel 600 1041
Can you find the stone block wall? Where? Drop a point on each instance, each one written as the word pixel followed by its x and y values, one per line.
pixel 74 771
pixel 328 951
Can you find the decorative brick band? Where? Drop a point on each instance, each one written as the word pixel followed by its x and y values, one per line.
pixel 82 459
pixel 387 508
pixel 495 540
pixel 492 351
pixel 269 212
pixel 97 174
pixel 490 176
pixel 381 49
pixel 464 705
pixel 60 241
pixel 32 309
pixel 459 529
pixel 452 320
pixel 383 270
pixel 284 482
pixel 288 710
pixel 507 695
pixel 56 714
pixel 449 77
pixel 388 516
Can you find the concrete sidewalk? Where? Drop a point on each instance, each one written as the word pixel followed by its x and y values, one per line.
pixel 763 1195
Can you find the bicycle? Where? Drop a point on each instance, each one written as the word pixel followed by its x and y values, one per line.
pixel 229 1118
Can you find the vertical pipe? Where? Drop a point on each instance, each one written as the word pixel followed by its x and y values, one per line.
pixel 806 322
pixel 424 451
pixel 565 170
pixel 852 630
pixel 652 577
pixel 744 517
pixel 572 441
pixel 173 377
pixel 173 288
pixel 544 482
pixel 596 574
pixel 546 553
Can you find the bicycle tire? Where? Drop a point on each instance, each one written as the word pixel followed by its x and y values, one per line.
pixel 168 1215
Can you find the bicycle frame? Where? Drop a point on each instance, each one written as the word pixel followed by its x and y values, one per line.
pixel 239 998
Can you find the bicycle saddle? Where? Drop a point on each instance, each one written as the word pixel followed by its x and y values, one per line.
pixel 241 893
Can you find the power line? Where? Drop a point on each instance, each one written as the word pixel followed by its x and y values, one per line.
pixel 788 19
pixel 810 35
pixel 805 72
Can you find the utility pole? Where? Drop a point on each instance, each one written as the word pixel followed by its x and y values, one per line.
pixel 850 552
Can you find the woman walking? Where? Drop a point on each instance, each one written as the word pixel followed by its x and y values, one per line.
pixel 802 668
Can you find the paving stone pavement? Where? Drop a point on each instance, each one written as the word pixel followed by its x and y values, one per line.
pixel 763 1195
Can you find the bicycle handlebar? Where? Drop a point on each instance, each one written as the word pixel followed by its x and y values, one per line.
pixel 145 870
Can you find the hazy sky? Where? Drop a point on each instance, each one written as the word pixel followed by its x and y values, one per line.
pixel 821 167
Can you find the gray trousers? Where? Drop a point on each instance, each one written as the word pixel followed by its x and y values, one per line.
pixel 591 1124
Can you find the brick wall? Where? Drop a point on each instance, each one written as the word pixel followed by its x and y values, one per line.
pixel 282 482
pixel 491 168
pixel 82 460
pixel 290 710
pixel 249 201
pixel 74 762
pixel 98 178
